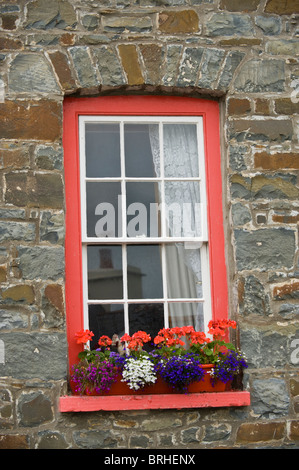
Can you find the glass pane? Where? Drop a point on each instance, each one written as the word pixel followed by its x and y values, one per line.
pixel 186 314
pixel 103 209
pixel 102 147
pixel 106 320
pixel 144 272
pixel 146 317
pixel 142 154
pixel 105 276
pixel 183 209
pixel 180 150
pixel 143 215
pixel 183 271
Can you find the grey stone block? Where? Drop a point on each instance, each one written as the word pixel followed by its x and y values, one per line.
pixel 265 249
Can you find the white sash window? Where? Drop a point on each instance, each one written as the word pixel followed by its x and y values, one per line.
pixel 144 224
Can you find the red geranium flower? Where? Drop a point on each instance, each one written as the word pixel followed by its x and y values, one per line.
pixel 125 337
pixel 137 340
pixel 159 339
pixel 198 337
pixel 170 336
pixel 187 330
pixel 218 328
pixel 83 336
pixel 104 341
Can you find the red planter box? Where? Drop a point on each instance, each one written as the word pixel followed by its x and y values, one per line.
pixel 160 387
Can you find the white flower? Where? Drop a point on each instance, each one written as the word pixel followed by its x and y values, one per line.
pixel 138 373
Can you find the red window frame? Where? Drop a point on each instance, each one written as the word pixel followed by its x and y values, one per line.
pixel 139 106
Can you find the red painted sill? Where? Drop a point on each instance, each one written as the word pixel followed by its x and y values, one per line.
pixel 74 403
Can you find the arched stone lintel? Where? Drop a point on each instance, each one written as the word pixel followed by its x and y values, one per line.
pixel 82 70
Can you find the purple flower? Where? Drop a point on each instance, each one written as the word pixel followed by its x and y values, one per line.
pixel 229 366
pixel 117 359
pixel 180 371
pixel 98 375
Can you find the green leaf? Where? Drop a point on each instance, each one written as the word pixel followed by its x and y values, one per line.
pixel 82 354
pixel 230 346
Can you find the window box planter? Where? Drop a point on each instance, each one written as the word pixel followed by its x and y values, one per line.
pixel 162 388
pixel 170 368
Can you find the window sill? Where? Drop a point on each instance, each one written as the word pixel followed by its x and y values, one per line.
pixel 75 403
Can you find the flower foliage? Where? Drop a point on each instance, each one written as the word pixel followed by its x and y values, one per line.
pixel 176 357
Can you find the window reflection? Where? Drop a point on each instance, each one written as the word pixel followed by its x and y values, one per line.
pixel 148 318
pixel 106 320
pixel 139 150
pixel 102 149
pixel 103 209
pixel 105 274
pixel 143 214
pixel 144 272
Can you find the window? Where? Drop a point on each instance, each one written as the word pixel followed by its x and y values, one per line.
pixel 144 225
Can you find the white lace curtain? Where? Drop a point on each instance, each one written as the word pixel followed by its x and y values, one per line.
pixel 184 274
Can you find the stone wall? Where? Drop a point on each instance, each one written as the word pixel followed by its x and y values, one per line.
pixel 242 52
